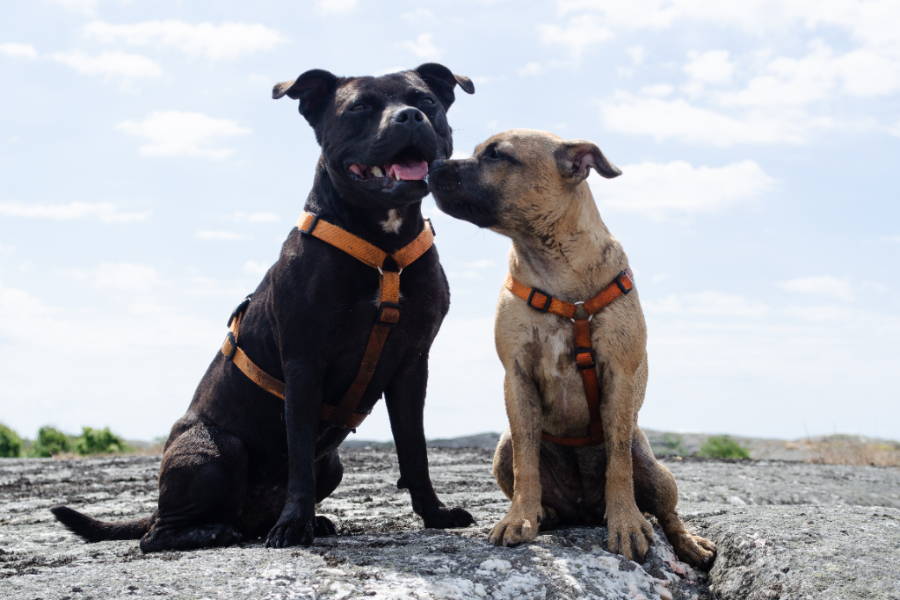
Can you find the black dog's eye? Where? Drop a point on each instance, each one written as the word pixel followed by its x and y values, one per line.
pixel 359 107
pixel 428 100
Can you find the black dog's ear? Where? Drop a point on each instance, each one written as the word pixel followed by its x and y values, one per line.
pixel 576 157
pixel 442 80
pixel 312 89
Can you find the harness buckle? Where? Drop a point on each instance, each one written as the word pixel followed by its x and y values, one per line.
pixel 237 312
pixel 621 285
pixel 234 346
pixel 388 313
pixel 548 300
pixel 585 358
pixel 312 225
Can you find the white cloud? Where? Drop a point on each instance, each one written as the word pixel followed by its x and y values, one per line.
pixel 866 20
pixel 820 313
pixel 681 120
pixel 17 50
pixel 175 133
pixel 707 303
pixel 99 347
pixel 419 16
pixel 531 69
pixel 577 34
pixel 636 54
pixel 207 40
pixel 240 216
pixel 110 64
pixel 332 7
pixel 470 270
pixel 663 190
pixel 822 285
pixel 660 90
pixel 120 277
pixel 422 47
pixel 219 235
pixel 713 66
pixel 786 94
pixel 102 211
pixel 818 76
pixel 87 7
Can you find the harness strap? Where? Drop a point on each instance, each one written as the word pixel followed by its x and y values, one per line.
pixel 585 356
pixel 389 267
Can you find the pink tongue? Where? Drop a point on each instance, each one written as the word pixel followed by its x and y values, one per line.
pixel 413 171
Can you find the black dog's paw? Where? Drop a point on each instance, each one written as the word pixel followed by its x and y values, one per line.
pixel 291 532
pixel 447 518
pixel 324 527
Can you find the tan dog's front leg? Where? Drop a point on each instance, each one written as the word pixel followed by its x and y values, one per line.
pixel 629 532
pixel 523 407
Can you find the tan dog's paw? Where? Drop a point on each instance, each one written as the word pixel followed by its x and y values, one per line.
pixel 694 550
pixel 516 527
pixel 630 534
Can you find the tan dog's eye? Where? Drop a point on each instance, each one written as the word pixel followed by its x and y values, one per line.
pixel 491 153
pixel 359 107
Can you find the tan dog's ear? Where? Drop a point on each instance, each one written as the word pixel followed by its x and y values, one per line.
pixel 576 157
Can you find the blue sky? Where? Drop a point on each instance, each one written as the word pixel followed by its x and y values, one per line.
pixel 147 180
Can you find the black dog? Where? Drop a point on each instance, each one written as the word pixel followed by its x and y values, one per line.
pixel 241 462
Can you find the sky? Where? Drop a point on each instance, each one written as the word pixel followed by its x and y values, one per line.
pixel 147 181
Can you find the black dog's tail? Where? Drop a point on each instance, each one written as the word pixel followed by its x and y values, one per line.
pixel 93 530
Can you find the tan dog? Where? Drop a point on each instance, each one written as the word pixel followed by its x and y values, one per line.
pixel 530 186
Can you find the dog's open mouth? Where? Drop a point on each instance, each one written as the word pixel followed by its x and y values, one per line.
pixel 407 165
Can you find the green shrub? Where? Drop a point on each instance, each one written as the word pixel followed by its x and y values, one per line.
pixel 99 441
pixel 50 442
pixel 10 442
pixel 722 446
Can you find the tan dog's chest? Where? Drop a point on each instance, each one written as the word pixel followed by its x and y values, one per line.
pixel 543 346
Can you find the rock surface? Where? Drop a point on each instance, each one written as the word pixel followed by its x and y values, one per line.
pixel 784 530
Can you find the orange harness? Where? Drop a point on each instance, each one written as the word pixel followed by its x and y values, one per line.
pixel 389 266
pixel 585 357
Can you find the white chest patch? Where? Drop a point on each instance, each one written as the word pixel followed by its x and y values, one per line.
pixel 393 222
pixel 558 344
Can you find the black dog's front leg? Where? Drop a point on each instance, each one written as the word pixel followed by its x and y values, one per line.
pixel 405 398
pixel 303 401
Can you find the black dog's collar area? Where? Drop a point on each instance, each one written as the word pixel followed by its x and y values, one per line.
pixel 311 227
pixel 239 310
pixel 233 343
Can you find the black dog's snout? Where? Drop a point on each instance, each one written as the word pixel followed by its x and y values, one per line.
pixel 408 115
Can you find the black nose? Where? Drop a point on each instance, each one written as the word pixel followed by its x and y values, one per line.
pixel 408 116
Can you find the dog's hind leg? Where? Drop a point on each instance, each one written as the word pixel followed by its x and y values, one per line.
pixel 329 472
pixel 657 493
pixel 202 485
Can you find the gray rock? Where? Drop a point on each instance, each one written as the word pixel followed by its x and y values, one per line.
pixel 803 531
